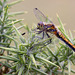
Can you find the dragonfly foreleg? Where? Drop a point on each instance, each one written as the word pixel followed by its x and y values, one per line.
pixel 38 32
pixel 40 37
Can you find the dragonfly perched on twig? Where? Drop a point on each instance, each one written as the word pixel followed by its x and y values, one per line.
pixel 50 28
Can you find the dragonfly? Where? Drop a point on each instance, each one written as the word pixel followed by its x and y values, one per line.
pixel 46 26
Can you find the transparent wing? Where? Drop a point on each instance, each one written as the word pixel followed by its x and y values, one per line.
pixel 40 44
pixel 40 16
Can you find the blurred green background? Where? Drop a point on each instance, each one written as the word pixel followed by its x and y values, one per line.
pixel 64 8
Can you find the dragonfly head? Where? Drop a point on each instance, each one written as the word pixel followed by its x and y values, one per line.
pixel 40 26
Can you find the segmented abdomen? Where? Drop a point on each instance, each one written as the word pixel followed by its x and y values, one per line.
pixel 62 37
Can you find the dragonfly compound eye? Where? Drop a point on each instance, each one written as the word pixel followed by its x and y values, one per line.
pixel 38 24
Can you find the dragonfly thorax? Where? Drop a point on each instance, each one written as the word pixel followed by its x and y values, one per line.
pixel 43 26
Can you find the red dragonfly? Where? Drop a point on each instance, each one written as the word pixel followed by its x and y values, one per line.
pixel 50 28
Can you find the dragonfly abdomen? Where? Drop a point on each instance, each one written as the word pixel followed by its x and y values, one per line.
pixel 62 37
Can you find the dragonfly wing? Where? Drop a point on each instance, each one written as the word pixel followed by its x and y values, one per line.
pixel 41 44
pixel 40 16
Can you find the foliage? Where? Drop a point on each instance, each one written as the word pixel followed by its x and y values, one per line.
pixel 30 56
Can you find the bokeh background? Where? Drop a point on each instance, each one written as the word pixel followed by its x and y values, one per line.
pixel 64 8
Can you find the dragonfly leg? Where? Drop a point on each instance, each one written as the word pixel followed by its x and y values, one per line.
pixel 49 37
pixel 42 35
pixel 38 32
pixel 39 36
